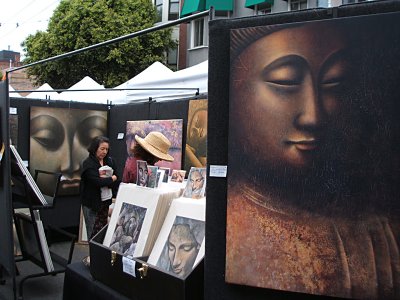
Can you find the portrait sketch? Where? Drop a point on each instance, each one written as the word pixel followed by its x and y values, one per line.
pixel 152 182
pixel 178 175
pixel 143 173
pixel 196 136
pixel 166 173
pixel 182 246
pixel 127 229
pixel 172 129
pixel 59 138
pixel 313 177
pixel 196 183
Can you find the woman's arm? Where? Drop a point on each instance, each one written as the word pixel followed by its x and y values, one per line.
pixel 91 175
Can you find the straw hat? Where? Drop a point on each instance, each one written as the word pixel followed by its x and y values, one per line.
pixel 157 144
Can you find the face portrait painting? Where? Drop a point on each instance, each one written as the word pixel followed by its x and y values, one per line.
pixel 312 204
pixel 182 246
pixel 196 139
pixel 195 186
pixel 59 138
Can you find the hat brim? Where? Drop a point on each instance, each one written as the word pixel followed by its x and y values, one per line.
pixel 154 151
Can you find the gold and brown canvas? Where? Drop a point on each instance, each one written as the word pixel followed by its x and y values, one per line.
pixel 196 136
pixel 313 159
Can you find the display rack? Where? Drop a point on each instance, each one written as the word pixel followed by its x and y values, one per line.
pixel 31 234
pixel 111 267
pixel 107 267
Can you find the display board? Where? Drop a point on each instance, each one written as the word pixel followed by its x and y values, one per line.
pixel 6 237
pixel 311 142
pixel 120 114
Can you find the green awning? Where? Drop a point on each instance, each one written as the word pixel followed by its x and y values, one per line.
pixel 192 6
pixel 251 3
pixel 220 4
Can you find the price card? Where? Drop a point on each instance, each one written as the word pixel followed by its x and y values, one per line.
pixel 128 266
pixel 218 171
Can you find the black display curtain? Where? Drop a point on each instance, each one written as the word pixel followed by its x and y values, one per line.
pixel 6 236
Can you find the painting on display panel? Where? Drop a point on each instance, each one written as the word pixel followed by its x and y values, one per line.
pixel 172 129
pixel 196 135
pixel 59 138
pixel 313 177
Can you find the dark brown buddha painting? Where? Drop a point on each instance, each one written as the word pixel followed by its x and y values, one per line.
pixel 313 164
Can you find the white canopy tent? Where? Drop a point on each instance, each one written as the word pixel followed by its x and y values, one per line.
pixel 15 95
pixel 157 69
pixel 157 82
pixel 48 93
pixel 179 84
pixel 91 95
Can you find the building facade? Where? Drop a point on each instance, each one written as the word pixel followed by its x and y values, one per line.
pixel 192 37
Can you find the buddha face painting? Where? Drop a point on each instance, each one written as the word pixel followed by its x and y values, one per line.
pixel 59 139
pixel 313 175
pixel 290 87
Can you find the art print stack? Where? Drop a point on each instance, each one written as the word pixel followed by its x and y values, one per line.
pixel 137 219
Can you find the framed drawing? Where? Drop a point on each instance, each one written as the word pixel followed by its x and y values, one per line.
pixel 180 244
pixel 129 224
pixel 160 176
pixel 178 176
pixel 166 173
pixel 143 173
pixel 196 183
pixel 152 182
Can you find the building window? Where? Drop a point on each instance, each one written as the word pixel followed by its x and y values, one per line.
pixel 323 3
pixel 263 8
pixel 173 12
pixel 297 4
pixel 353 1
pixel 198 33
pixel 159 7
pixel 172 57
pixel 222 13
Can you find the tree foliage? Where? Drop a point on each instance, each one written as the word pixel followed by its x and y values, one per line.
pixel 76 24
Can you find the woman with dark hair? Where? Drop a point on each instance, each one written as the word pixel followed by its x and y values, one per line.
pixel 95 208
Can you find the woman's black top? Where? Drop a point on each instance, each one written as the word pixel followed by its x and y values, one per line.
pixel 91 182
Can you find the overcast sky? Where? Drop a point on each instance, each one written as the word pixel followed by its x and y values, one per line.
pixel 19 18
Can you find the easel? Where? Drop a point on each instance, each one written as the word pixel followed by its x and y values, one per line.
pixel 27 196
pixel 31 235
